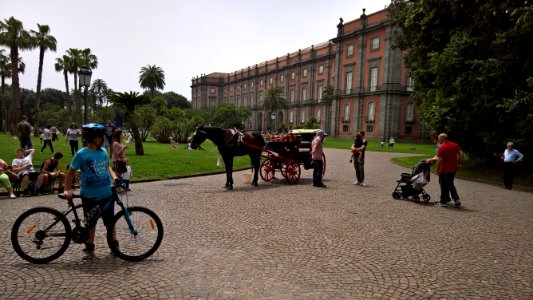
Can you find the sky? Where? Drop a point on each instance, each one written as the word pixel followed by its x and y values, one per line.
pixel 184 38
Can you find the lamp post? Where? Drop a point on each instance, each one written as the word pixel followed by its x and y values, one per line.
pixel 85 81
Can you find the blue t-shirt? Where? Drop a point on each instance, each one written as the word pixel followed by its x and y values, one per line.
pixel 95 177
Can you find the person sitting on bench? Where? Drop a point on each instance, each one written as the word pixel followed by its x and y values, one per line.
pixel 48 175
pixel 23 167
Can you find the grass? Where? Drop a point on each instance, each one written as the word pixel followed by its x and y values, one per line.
pixel 161 161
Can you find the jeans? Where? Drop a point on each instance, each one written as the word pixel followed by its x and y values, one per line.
pixel 318 166
pixel 359 170
pixel 508 174
pixel 447 187
pixel 25 143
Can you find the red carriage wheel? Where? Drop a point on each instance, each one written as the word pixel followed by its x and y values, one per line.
pixel 292 171
pixel 267 170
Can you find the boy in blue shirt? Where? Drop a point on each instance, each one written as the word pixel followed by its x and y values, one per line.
pixel 96 180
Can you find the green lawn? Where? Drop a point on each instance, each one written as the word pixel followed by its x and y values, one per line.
pixel 161 161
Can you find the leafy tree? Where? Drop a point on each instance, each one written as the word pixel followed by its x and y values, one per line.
pixel 5 69
pixel 273 102
pixel 14 36
pixel 229 116
pixel 471 62
pixel 152 78
pixel 145 116
pixel 79 58
pixel 176 100
pixel 311 123
pixel 44 41
pixel 63 64
pixel 129 101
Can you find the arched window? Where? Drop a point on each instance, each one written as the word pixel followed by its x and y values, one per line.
pixel 410 112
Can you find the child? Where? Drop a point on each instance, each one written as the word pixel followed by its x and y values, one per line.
pixel 126 176
pixel 357 144
pixel 96 181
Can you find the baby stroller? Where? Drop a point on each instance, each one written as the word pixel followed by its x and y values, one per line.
pixel 412 185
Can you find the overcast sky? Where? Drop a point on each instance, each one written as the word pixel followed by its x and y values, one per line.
pixel 184 38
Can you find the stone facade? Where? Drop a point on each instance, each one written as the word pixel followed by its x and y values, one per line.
pixel 369 79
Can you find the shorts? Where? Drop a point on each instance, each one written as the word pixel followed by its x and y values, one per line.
pixel 107 215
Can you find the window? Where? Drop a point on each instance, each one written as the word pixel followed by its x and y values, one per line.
pixel 281 78
pixel 370 128
pixel 305 72
pixel 346 117
pixel 370 111
pixel 261 99
pixel 293 75
pixel 304 93
pixel 245 85
pixel 349 50
pixel 271 80
pixel 320 91
pixel 410 112
pixel 373 79
pixel 211 90
pixel 348 85
pixel 410 84
pixel 291 119
pixel 302 114
pixel 292 94
pixel 318 116
pixel 261 82
pixel 212 102
pixel 374 44
pixel 321 69
pixel 345 128
pixel 252 84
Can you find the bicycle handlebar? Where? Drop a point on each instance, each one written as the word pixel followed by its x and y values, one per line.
pixel 62 196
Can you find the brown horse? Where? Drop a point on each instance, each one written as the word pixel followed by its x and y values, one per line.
pixel 231 143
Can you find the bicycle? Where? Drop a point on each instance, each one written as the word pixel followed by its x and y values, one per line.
pixel 42 234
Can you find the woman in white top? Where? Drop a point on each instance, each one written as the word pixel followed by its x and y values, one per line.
pixel 47 137
pixel 73 132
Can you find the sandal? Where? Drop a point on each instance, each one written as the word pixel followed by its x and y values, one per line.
pixel 12 196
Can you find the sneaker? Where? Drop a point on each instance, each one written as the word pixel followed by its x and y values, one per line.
pixel 457 203
pixel 363 184
pixel 356 183
pixel 88 252
pixel 442 204
pixel 321 185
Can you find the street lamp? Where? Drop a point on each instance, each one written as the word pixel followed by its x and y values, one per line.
pixel 84 74
pixel 273 118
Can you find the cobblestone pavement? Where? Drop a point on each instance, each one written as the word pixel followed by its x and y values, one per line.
pixel 278 241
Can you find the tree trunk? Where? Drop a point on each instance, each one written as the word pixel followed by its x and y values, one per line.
pixel 139 150
pixel 38 96
pixel 15 90
pixel 67 103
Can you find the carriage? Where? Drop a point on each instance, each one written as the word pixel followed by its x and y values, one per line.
pixel 286 153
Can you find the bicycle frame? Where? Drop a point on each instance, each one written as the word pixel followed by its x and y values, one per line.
pixel 114 199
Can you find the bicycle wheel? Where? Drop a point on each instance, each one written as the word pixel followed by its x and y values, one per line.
pixel 136 247
pixel 41 235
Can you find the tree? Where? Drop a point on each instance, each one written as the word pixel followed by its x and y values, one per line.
pixel 152 78
pixel 273 102
pixel 468 58
pixel 176 100
pixel 13 35
pixel 100 91
pixel 44 41
pixel 79 58
pixel 229 116
pixel 63 64
pixel 129 101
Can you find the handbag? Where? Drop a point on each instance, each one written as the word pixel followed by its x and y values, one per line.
pixel 119 166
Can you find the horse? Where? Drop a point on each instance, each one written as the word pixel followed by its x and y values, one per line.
pixel 231 143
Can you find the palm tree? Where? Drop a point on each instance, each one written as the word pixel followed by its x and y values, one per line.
pixel 13 35
pixel 63 64
pixel 80 58
pixel 273 102
pixel 44 41
pixel 129 101
pixel 152 78
pixel 5 70
pixel 100 91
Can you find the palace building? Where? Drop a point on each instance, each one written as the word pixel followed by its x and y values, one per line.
pixel 368 82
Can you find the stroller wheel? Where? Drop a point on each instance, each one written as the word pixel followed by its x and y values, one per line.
pixel 416 198
pixel 396 195
pixel 405 195
pixel 426 197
